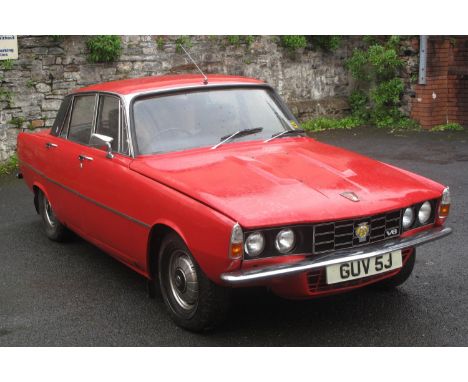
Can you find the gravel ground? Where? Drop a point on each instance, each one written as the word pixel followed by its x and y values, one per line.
pixel 75 295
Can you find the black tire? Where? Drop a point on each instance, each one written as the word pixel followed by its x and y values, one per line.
pixel 54 230
pixel 400 277
pixel 194 302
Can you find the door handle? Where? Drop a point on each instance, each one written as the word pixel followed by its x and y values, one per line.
pixel 49 145
pixel 82 157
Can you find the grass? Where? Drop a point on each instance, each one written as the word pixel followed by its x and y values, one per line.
pixel 10 166
pixel 448 127
pixel 326 123
pixel 347 123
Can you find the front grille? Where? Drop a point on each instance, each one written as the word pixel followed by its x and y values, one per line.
pixel 333 236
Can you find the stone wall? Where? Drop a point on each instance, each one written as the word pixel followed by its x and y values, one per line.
pixel 312 82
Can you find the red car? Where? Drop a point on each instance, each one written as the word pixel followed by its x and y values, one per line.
pixel 204 186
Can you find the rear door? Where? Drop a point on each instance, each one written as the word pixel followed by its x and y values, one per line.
pixel 68 165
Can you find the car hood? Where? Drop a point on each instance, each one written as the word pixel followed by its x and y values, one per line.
pixel 286 181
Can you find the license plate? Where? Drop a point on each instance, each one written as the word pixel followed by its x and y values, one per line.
pixel 357 269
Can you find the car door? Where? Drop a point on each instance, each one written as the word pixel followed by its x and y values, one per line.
pixel 69 162
pixel 109 219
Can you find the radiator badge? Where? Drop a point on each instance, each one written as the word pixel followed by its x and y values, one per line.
pixel 361 231
pixel 350 195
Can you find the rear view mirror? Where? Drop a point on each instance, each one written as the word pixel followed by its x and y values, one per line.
pixel 102 140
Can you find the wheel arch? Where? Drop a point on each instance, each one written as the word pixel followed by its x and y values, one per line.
pixel 156 236
pixel 38 187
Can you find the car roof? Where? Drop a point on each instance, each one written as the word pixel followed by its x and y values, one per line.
pixel 145 84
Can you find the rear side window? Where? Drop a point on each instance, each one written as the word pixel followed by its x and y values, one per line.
pixel 81 122
pixel 108 119
pixel 60 116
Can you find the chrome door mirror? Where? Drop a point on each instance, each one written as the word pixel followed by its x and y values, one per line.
pixel 102 140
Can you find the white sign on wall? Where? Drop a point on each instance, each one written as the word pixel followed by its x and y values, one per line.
pixel 8 47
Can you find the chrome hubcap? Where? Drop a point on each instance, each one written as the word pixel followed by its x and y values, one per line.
pixel 49 213
pixel 183 280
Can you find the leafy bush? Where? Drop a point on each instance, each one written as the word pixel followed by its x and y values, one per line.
pixel 106 48
pixel 183 41
pixel 326 123
pixel 234 40
pixel 17 122
pixel 160 43
pixel 377 96
pixel 249 39
pixel 9 166
pixel 327 43
pixel 238 40
pixel 293 43
pixel 448 127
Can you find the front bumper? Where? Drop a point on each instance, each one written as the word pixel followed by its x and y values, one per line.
pixel 257 275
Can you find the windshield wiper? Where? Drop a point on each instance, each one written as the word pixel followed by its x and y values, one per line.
pixel 238 134
pixel 285 133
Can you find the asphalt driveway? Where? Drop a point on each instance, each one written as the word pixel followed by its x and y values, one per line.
pixel 75 295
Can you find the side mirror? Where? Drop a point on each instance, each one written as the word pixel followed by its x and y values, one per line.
pixel 102 140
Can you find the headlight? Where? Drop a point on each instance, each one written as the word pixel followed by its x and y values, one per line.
pixel 254 244
pixel 408 218
pixel 424 212
pixel 285 240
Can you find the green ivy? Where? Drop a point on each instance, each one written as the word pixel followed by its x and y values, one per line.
pixel 293 43
pixel 106 48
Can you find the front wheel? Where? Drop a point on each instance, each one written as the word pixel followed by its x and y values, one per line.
pixel 53 228
pixel 194 302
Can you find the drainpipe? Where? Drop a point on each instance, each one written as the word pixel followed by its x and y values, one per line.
pixel 422 59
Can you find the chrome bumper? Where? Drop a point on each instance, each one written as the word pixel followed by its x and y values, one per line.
pixel 256 275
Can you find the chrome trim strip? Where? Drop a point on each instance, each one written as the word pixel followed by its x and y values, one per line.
pixel 121 214
pixel 254 275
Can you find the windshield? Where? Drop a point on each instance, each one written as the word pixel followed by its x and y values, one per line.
pixel 180 121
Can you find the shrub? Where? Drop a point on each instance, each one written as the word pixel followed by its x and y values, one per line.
pixel 326 43
pixel 160 43
pixel 293 43
pixel 105 48
pixel 377 96
pixel 183 41
pixel 234 40
pixel 17 122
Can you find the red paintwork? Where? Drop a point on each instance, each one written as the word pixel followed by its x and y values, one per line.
pixel 287 181
pixel 139 85
pixel 201 193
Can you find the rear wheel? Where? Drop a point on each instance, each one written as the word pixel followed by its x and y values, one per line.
pixel 53 228
pixel 194 302
pixel 400 277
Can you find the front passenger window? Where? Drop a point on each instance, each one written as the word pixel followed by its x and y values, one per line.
pixel 108 119
pixel 81 122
